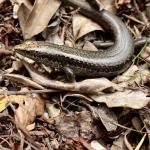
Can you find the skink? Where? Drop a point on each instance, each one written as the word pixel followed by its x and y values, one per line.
pixel 108 62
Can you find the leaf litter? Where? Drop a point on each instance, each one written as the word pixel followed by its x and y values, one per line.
pixel 40 110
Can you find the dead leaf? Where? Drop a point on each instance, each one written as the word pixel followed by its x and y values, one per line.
pixel 52 110
pixel 50 33
pixel 106 116
pixel 85 121
pixel 27 3
pixel 83 25
pixel 3 50
pixel 75 125
pixel 29 18
pixel 55 39
pixel 118 144
pixel 121 2
pixel 3 103
pixel 133 77
pixel 1 1
pixel 136 123
pixel 54 143
pixel 127 75
pixel 128 98
pixel 97 146
pixel 16 65
pixel 30 126
pixel 89 46
pixel 108 5
pixel 29 108
pixel 23 80
pixel 66 125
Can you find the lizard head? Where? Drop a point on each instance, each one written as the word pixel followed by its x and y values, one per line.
pixel 28 45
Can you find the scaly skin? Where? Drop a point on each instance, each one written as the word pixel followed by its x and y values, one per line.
pixel 108 62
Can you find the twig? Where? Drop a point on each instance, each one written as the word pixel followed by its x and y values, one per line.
pixel 134 19
pixel 144 60
pixel 4 140
pixel 139 52
pixel 28 92
pixel 21 140
pixel 141 142
pixel 141 14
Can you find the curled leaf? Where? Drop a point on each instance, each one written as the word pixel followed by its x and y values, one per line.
pixel 83 25
pixel 29 108
pixel 132 99
pixel 29 16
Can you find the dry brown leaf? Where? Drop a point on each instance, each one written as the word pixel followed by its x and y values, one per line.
pixel 52 110
pixel 133 77
pixel 85 121
pixel 127 75
pixel 97 146
pixel 128 98
pixel 121 2
pixel 108 5
pixel 3 103
pixel 27 3
pixel 89 46
pixel 55 39
pixel 83 25
pixel 51 34
pixel 75 125
pixel 30 127
pixel 106 116
pixel 136 123
pixel 54 143
pixel 118 144
pixel 34 21
pixel 1 1
pixel 29 107
pixel 16 65
pixel 66 125
pixel 23 80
